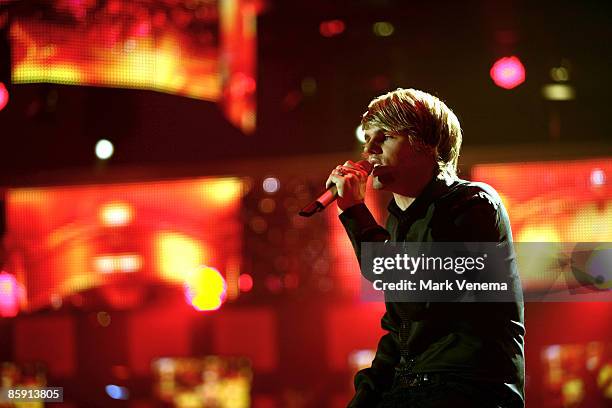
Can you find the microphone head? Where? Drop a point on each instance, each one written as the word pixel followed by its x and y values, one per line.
pixel 366 165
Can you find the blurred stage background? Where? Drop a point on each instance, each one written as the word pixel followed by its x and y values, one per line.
pixel 155 155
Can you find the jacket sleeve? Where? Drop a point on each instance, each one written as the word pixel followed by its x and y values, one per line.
pixel 371 382
pixel 479 217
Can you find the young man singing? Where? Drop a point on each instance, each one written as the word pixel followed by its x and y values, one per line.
pixel 435 354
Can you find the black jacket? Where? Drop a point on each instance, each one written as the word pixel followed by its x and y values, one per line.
pixel 481 343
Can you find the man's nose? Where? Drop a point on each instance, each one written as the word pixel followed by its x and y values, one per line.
pixel 371 147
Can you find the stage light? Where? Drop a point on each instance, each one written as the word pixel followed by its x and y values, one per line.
pixel 598 177
pixel 245 282
pixel 359 359
pixel 360 134
pixel 558 92
pixel 331 28
pixel 4 96
pixel 383 28
pixel 116 392
pixel 258 225
pixel 559 74
pixel 206 290
pixel 241 85
pixel 508 72
pixel 274 284
pixel 104 319
pixel 116 214
pixel 573 392
pixel 104 149
pixel 267 205
pixel 309 86
pixel 271 185
pixel 9 295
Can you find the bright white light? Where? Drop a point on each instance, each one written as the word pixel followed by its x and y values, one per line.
pixel 558 92
pixel 104 149
pixel 129 263
pixel 104 264
pixel 118 263
pixel 361 358
pixel 116 214
pixel 598 177
pixel 360 134
pixel 271 184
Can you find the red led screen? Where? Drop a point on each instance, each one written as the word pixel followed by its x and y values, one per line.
pixel 204 50
pixel 564 202
pixel 63 240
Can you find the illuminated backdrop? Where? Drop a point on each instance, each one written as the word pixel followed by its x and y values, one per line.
pixel 199 49
pixel 64 240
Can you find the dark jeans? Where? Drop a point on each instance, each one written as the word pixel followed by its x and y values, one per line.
pixel 446 395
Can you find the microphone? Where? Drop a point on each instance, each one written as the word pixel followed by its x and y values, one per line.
pixel 330 195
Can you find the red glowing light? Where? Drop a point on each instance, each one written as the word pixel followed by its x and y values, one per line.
pixel 241 85
pixel 331 28
pixel 4 96
pixel 274 284
pixel 508 72
pixel 245 282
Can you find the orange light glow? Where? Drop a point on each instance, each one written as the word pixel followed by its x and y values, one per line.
pixel 232 273
pixel 116 214
pixel 28 196
pixel 222 191
pixel 206 290
pixel 178 256
pixel 539 233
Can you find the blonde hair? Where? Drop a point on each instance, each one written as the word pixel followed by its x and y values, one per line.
pixel 423 118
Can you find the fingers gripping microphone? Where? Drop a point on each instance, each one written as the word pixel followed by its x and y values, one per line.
pixel 330 195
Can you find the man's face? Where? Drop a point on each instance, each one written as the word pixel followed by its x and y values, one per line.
pixel 398 166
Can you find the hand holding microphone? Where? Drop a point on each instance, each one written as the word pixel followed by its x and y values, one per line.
pixel 347 183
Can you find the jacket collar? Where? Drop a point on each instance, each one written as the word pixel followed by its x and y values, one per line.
pixel 433 190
